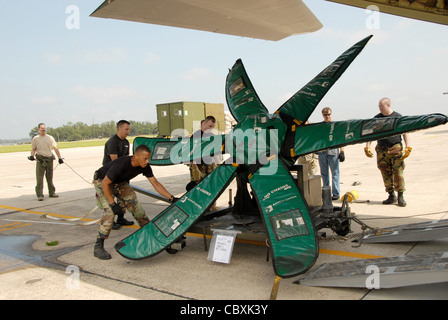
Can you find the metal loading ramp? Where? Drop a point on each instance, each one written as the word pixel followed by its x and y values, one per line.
pixel 425 231
pixel 391 272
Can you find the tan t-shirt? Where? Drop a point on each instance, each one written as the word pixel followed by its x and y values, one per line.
pixel 43 145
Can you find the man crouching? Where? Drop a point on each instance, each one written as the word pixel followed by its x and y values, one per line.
pixel 112 180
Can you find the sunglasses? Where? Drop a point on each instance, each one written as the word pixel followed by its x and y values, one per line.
pixel 326 114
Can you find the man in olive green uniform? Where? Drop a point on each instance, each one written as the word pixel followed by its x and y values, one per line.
pixel 41 150
pixel 390 157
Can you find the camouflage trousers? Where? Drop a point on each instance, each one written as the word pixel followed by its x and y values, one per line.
pixel 391 167
pixel 126 198
pixel 199 171
pixel 310 160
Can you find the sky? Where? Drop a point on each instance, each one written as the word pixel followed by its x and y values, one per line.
pixel 105 69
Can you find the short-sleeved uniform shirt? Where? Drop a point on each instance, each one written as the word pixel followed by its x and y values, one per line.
pixel 115 146
pixel 389 141
pixel 44 145
pixel 121 170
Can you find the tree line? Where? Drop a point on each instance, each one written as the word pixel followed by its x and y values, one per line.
pixel 81 131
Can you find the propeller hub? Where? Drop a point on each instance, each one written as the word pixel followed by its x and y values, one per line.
pixel 255 139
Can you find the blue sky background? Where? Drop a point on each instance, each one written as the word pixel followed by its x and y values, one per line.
pixel 111 70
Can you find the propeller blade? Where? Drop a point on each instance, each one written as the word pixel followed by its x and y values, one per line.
pixel 182 150
pixel 289 226
pixel 326 135
pixel 175 220
pixel 302 104
pixel 240 94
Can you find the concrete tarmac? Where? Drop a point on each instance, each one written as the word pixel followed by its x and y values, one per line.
pixel 43 258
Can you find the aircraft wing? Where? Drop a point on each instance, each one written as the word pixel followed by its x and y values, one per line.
pixel 327 135
pixel 260 19
pixel 291 232
pixel 174 221
pixel 302 104
pixel 432 11
pixel 181 150
pixel 240 94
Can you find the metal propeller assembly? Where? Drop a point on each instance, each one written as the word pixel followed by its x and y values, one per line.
pixel 261 148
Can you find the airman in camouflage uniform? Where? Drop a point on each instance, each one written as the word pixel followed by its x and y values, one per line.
pixel 390 157
pixel 199 171
pixel 391 166
pixel 126 199
pixel 111 182
pixel 203 167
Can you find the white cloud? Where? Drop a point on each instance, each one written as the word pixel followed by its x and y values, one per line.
pixel 352 37
pixel 198 74
pixel 114 55
pixel 102 95
pixel 151 58
pixel 405 24
pixel 53 58
pixel 46 100
pixel 441 52
pixel 378 87
pixel 283 98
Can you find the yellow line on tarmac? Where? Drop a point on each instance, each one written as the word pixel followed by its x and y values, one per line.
pixel 349 254
pixel 11 224
pixel 20 209
pixel 41 213
pixel 15 225
pixel 323 251
pixel 254 242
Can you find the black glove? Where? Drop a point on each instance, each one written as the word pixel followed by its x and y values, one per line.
pixel 173 199
pixel 116 208
pixel 342 156
pixel 31 158
pixel 61 161
pixel 190 185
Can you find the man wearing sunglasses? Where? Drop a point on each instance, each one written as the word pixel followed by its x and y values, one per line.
pixel 329 161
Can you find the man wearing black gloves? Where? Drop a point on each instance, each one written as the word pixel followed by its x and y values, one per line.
pixel 112 180
pixel 41 150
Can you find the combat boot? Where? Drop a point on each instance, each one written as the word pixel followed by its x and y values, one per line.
pixel 391 198
pixel 401 201
pixel 99 251
pixel 116 226
pixel 122 221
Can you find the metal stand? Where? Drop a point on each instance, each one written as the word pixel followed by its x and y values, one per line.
pixel 336 218
pixel 391 272
pixel 425 231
